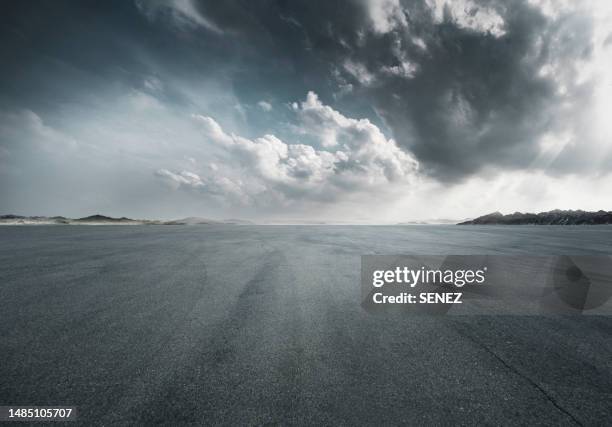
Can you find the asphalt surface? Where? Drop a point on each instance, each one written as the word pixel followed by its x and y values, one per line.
pixel 262 325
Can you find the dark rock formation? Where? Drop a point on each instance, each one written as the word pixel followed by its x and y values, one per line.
pixel 556 217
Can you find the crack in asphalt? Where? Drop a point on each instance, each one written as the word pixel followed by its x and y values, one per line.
pixel 511 368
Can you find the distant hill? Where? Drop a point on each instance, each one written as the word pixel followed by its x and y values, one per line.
pixel 60 220
pixel 32 220
pixel 102 218
pixel 555 217
pixel 107 220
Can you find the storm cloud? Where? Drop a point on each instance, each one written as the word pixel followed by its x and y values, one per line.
pixel 464 85
pixel 265 105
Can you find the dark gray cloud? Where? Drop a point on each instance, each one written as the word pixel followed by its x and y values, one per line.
pixel 461 87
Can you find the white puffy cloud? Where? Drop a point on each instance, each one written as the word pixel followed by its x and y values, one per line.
pixel 355 156
pixel 359 139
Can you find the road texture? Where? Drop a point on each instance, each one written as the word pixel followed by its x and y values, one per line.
pixel 262 325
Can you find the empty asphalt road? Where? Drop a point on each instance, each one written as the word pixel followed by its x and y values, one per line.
pixel 263 325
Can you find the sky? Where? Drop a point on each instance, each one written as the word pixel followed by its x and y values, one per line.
pixel 360 111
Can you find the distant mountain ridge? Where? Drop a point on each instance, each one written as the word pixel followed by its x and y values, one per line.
pixel 554 217
pixel 107 220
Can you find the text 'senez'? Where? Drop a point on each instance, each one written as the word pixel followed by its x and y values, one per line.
pixel 487 284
